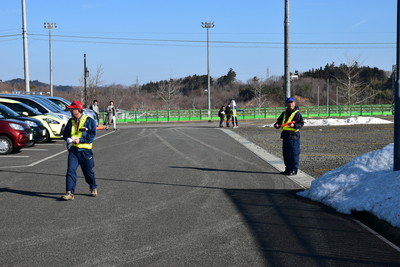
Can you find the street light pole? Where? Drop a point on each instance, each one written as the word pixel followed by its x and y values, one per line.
pixel 287 52
pixel 50 26
pixel 208 25
pixel 396 146
pixel 25 41
pixel 85 76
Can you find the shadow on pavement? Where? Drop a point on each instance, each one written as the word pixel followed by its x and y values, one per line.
pixel 30 193
pixel 220 170
pixel 292 231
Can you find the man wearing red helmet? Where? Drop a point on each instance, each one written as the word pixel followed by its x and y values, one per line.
pixel 79 134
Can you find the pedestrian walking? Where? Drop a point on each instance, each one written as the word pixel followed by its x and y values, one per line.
pixel 228 112
pixel 111 116
pixel 221 115
pixel 290 121
pixel 79 133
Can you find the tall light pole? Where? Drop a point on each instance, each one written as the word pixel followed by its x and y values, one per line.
pixel 50 26
pixel 396 146
pixel 287 53
pixel 25 41
pixel 208 25
pixel 85 76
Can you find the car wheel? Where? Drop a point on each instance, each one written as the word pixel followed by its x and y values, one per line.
pixel 17 149
pixel 47 138
pixel 6 145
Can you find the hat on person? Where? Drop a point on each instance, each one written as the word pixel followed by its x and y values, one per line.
pixel 76 105
pixel 289 99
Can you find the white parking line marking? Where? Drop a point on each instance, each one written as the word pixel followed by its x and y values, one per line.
pixel 48 144
pixel 14 156
pixel 35 149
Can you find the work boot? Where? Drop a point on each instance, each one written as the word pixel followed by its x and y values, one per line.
pixel 68 196
pixel 293 173
pixel 93 192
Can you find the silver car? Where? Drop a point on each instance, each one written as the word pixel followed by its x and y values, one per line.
pixel 40 104
pixel 63 103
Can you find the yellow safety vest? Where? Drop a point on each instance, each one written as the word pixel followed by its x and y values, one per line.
pixel 234 114
pixel 76 133
pixel 289 120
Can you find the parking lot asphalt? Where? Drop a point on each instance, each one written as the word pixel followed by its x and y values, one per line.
pixel 171 195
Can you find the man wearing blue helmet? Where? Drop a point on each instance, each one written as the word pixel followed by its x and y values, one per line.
pixel 290 121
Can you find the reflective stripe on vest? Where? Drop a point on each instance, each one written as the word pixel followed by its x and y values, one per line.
pixel 76 133
pixel 289 120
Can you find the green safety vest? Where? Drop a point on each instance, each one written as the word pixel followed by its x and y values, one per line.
pixel 76 133
pixel 289 120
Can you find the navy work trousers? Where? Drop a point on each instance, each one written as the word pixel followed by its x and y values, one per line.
pixel 291 154
pixel 85 159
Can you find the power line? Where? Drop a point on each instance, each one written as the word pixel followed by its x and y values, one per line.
pixel 217 42
pixel 216 46
pixel 248 44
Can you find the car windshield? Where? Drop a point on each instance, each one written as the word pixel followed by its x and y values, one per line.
pixel 7 112
pixel 50 105
pixel 21 108
pixel 59 103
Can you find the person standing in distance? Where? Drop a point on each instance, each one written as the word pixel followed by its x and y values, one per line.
pixel 221 115
pixel 96 110
pixel 79 134
pixel 228 112
pixel 112 115
pixel 290 121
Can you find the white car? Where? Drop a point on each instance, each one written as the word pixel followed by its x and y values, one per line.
pixel 63 103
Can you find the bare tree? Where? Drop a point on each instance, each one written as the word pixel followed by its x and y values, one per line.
pixel 350 87
pixel 259 97
pixel 93 82
pixel 167 91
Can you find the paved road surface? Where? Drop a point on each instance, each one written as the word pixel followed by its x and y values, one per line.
pixel 172 196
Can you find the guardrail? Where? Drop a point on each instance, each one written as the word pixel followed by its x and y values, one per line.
pixel 252 113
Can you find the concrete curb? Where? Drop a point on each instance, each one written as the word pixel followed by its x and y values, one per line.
pixel 302 179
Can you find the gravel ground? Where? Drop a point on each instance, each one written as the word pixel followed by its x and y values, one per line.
pixel 323 148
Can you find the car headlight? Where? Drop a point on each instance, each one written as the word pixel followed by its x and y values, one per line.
pixel 16 126
pixel 51 121
pixel 63 117
pixel 32 123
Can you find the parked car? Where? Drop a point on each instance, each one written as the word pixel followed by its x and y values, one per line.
pixel 38 130
pixel 14 135
pixel 50 103
pixel 63 103
pixel 42 106
pixel 54 125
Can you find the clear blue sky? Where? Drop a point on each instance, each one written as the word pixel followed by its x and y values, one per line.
pixel 152 40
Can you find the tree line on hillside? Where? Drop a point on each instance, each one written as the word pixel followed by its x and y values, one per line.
pixel 344 84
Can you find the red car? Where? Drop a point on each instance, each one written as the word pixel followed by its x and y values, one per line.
pixel 14 135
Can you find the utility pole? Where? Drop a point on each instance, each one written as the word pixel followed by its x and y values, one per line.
pixel 50 26
pixel 396 147
pixel 208 25
pixel 25 41
pixel 287 58
pixel 85 76
pixel 327 92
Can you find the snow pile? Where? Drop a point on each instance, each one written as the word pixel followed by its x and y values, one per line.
pixel 367 183
pixel 334 122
